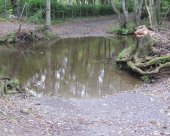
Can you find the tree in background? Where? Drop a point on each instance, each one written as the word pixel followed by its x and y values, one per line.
pixel 138 6
pixel 48 15
pixel 122 17
pixel 153 10
pixel 14 7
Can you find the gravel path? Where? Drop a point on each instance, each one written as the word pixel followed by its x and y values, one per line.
pixel 93 27
pixel 141 112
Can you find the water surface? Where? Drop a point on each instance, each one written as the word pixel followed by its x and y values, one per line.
pixel 75 68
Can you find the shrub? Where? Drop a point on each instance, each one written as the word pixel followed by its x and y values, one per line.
pixel 65 11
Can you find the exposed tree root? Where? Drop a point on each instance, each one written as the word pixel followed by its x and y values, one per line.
pixel 154 61
pixel 149 56
pixel 132 66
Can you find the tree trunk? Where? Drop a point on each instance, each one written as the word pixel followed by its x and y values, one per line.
pixel 82 1
pixel 138 11
pixel 14 7
pixel 151 9
pixel 118 14
pixel 69 2
pixel 125 14
pixel 127 5
pixel 5 6
pixel 90 2
pixel 48 14
pixel 158 9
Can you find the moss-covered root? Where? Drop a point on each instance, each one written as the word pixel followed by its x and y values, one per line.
pixel 126 54
pixel 133 67
pixel 143 59
pixel 154 61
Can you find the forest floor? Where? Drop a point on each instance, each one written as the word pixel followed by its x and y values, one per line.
pixel 141 112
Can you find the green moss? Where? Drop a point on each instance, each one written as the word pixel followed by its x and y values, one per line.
pixel 2 39
pixel 123 31
pixel 37 18
pixel 2 19
pixel 148 79
pixel 10 37
pixel 49 35
pixel 127 52
pixel 122 55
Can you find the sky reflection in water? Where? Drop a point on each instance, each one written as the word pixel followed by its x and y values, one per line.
pixel 73 68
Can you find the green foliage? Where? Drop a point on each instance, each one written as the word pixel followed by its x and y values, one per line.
pixel 13 84
pixel 123 31
pixel 2 39
pixel 2 19
pixel 64 11
pixel 127 52
pixel 129 30
pixel 148 79
pixel 11 37
pixel 122 54
pixel 131 27
pixel 37 18
pixel 49 35
pixel 165 5
pixel 8 85
pixel 131 6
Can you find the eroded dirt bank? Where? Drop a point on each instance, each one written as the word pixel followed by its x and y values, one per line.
pixel 145 111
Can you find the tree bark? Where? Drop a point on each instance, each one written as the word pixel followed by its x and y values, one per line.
pixel 125 14
pixel 158 9
pixel 152 11
pixel 14 7
pixel 118 14
pixel 69 2
pixel 138 10
pixel 90 2
pixel 48 14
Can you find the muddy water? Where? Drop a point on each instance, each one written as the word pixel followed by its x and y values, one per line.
pixel 75 68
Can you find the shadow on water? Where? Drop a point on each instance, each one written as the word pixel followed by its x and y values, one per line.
pixel 75 68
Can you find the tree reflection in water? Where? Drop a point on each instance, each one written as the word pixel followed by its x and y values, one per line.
pixel 71 68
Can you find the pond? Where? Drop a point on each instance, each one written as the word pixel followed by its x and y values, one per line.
pixel 74 68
